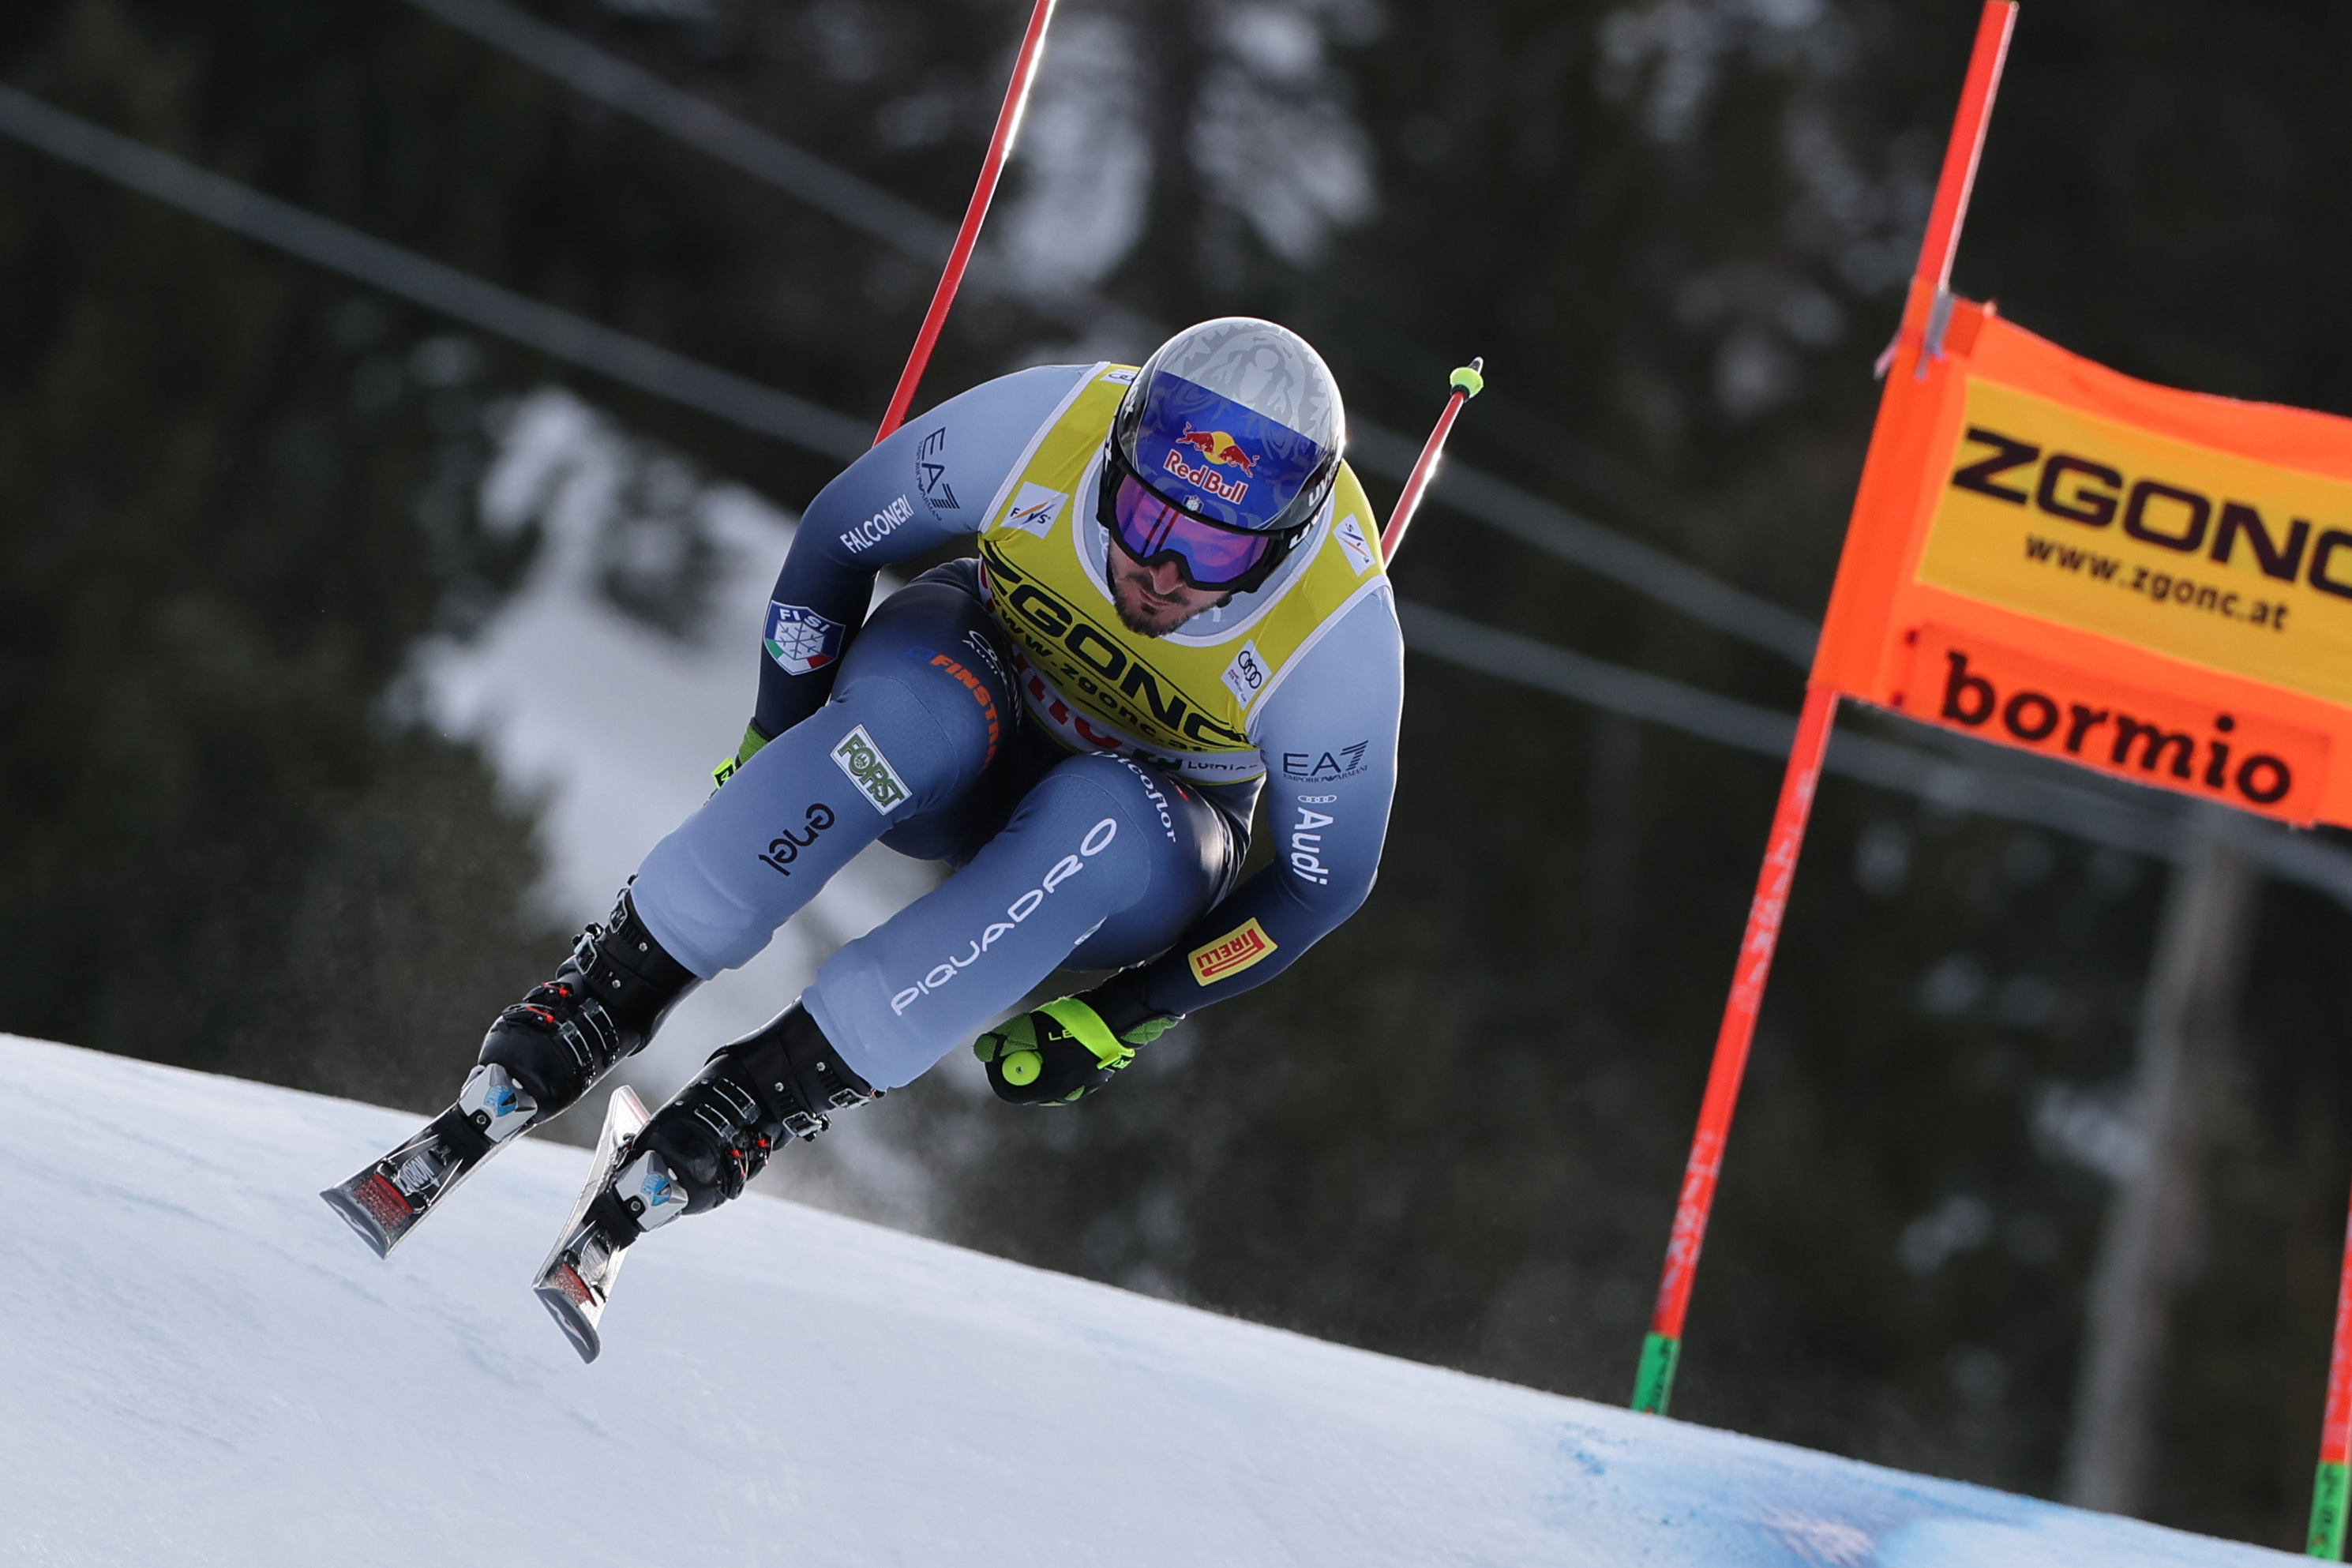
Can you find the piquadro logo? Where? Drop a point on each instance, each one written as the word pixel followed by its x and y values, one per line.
pixel 1098 840
pixel 858 757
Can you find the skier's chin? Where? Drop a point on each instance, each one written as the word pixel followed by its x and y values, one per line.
pixel 1147 615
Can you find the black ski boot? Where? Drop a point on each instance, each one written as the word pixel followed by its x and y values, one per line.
pixel 604 1004
pixel 546 1051
pixel 694 1154
pixel 718 1132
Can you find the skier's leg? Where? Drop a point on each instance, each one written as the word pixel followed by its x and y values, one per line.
pixel 920 710
pixel 1102 852
pixel 1103 858
pixel 910 728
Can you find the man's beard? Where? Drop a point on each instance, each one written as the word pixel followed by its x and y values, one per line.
pixel 1134 615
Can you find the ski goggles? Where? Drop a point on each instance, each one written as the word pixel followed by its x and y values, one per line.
pixel 1150 530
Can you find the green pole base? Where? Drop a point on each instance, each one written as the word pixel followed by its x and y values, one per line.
pixel 2328 1513
pixel 1653 1385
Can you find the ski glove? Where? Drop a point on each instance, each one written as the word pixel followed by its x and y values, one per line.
pixel 753 741
pixel 1061 1052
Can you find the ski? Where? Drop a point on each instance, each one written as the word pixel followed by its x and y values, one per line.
pixel 576 1280
pixel 391 1197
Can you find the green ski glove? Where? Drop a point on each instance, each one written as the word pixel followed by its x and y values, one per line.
pixel 753 741
pixel 1061 1052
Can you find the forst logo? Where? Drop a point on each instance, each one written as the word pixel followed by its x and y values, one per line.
pixel 1998 694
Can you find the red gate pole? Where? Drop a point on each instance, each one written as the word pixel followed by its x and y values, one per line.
pixel 1654 1383
pixel 1662 1346
pixel 2327 1488
pixel 1000 145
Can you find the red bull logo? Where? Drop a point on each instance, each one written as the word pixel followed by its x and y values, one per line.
pixel 1221 449
pixel 1215 447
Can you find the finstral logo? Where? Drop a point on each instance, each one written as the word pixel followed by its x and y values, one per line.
pixel 1206 477
pixel 2196 748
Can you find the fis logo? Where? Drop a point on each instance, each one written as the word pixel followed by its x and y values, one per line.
pixel 1216 446
pixel 800 640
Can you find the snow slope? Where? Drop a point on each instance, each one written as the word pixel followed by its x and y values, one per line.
pixel 200 1365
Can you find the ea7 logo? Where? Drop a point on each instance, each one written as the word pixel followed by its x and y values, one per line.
pixel 1344 764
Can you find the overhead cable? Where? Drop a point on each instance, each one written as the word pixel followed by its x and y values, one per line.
pixel 2046 794
pixel 871 210
pixel 408 276
pixel 2105 818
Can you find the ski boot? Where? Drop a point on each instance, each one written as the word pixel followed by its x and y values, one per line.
pixel 538 1058
pixel 695 1152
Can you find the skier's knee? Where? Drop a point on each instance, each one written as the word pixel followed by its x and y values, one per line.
pixel 962 721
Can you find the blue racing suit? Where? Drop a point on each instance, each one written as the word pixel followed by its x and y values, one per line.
pixel 1092 825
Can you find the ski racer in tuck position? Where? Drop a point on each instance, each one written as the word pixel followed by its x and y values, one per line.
pixel 1177 601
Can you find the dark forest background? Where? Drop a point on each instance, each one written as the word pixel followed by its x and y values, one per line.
pixel 236 490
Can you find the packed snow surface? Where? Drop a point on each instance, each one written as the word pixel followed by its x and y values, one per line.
pixel 201 1365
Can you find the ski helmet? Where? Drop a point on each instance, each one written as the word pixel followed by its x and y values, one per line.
pixel 1222 452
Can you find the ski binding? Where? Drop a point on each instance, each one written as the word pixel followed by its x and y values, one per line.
pixel 576 1280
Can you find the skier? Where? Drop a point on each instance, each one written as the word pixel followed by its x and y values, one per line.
pixel 1178 598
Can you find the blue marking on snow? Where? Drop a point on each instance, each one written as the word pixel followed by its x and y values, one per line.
pixel 202 1365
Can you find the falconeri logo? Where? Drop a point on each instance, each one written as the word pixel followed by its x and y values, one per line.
pixel 870 771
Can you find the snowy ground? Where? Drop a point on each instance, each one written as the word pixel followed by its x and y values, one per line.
pixel 202 1365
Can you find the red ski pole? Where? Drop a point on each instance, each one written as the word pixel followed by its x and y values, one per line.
pixel 1467 383
pixel 1654 1383
pixel 1000 146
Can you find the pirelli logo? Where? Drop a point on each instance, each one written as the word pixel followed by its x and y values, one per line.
pixel 1229 954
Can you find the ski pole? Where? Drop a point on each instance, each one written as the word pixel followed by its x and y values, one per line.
pixel 1000 144
pixel 1467 381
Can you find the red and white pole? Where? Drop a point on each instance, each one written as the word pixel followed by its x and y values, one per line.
pixel 1467 383
pixel 1661 1349
pixel 1000 147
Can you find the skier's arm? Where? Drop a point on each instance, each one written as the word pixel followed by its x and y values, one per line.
pixel 1329 733
pixel 930 483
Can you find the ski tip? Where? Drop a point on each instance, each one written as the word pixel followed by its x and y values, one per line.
pixel 559 1297
pixel 361 1221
